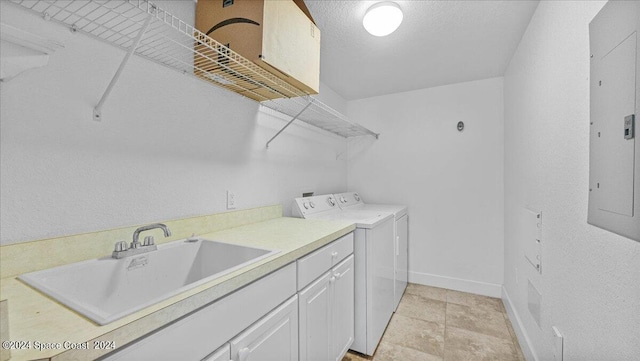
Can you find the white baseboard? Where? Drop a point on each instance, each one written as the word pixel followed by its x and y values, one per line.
pixel 523 338
pixel 458 284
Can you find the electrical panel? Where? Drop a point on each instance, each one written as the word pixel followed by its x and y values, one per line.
pixel 614 156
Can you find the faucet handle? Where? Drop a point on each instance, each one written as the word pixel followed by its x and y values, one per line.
pixel 148 241
pixel 121 246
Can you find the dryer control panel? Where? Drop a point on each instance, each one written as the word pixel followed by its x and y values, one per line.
pixel 348 199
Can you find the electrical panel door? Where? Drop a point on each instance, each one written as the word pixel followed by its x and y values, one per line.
pixel 614 179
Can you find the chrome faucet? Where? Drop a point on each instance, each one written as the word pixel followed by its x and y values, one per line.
pixel 121 249
pixel 136 233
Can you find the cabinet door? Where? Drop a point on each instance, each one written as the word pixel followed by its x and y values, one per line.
pixel 402 258
pixel 273 338
pixel 342 309
pixel 315 317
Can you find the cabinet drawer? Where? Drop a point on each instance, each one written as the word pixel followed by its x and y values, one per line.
pixel 315 264
pixel 274 337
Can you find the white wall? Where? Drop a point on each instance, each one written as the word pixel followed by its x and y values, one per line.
pixel 169 145
pixel 451 181
pixel 590 283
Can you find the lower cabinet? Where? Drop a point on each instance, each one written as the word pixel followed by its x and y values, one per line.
pixel 343 308
pixel 273 338
pixel 315 316
pixel 327 314
pixel 195 336
pixel 272 319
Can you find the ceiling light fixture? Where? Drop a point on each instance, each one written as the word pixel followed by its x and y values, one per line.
pixel 382 18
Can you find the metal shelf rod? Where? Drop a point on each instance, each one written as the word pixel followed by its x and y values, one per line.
pixel 291 121
pixel 97 111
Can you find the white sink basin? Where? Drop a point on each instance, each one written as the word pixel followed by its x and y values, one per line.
pixel 107 289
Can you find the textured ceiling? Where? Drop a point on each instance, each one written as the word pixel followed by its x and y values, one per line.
pixel 439 42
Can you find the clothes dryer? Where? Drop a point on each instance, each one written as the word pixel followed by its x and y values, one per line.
pixel 352 201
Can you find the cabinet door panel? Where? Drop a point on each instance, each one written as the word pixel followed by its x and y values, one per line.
pixel 273 338
pixel 315 305
pixel 343 309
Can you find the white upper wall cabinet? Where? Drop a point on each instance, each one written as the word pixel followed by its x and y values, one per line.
pixel 614 179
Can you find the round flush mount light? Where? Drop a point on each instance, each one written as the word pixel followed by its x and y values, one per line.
pixel 382 18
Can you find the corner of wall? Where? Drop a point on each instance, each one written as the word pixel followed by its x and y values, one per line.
pixel 546 112
pixel 523 338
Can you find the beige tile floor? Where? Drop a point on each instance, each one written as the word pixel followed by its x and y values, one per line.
pixel 436 324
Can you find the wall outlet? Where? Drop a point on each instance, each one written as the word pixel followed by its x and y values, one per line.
pixel 558 344
pixel 231 200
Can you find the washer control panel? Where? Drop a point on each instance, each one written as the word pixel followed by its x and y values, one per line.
pixel 306 206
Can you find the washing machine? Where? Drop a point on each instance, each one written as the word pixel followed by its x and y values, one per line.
pixel 373 265
pixel 353 201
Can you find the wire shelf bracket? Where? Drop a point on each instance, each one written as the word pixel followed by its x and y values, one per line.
pixel 288 124
pixel 97 111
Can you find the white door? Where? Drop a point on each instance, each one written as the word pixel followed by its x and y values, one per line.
pixel 273 338
pixel 343 309
pixel 315 319
pixel 402 258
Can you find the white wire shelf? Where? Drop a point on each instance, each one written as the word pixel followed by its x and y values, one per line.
pixel 171 42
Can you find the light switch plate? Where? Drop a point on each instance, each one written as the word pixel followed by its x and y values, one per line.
pixel 231 200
